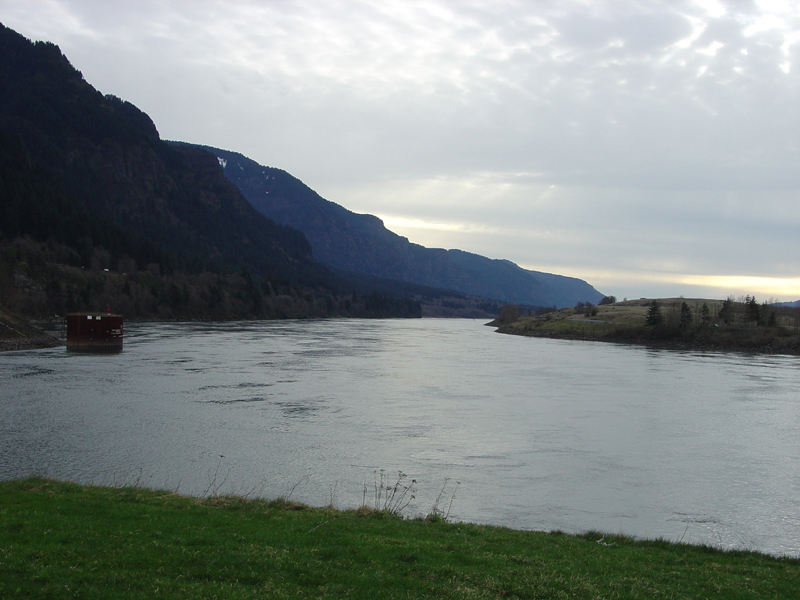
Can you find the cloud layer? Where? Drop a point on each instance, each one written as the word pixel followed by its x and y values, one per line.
pixel 648 147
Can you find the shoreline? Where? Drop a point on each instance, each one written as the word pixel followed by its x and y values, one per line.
pixel 30 343
pixel 675 324
pixel 17 333
pixel 643 339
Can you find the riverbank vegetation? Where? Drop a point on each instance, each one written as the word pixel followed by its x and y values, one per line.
pixel 731 324
pixel 61 540
pixel 39 278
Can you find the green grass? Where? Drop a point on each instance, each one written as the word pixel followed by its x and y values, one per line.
pixel 60 540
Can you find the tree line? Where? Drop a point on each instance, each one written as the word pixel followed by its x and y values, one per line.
pixel 746 311
pixel 35 283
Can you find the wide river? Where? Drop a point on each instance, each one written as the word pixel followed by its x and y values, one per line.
pixel 541 434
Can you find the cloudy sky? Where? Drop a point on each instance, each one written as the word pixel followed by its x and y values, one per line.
pixel 651 148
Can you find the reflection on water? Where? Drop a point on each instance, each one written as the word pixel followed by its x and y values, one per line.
pixel 542 434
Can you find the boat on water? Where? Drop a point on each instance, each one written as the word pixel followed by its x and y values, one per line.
pixel 94 332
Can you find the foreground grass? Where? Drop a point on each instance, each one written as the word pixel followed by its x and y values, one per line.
pixel 60 540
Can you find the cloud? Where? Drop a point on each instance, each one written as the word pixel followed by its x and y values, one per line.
pixel 657 137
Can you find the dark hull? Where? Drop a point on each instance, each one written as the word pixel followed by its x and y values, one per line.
pixel 94 332
pixel 95 346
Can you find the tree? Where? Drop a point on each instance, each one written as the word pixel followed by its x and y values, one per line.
pixel 508 314
pixel 654 317
pixel 752 310
pixel 705 314
pixel 686 316
pixel 726 312
pixel 772 320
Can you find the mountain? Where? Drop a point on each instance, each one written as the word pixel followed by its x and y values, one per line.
pixel 107 153
pixel 97 210
pixel 34 204
pixel 361 243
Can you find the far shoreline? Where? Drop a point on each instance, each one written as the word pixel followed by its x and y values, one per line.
pixel 625 323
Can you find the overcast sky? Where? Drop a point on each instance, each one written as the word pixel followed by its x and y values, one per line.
pixel 650 148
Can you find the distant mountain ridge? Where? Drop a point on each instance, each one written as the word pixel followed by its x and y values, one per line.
pixel 361 243
pixel 795 304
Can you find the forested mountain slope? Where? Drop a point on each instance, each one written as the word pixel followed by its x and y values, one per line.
pixel 106 153
pixel 360 243
pixel 96 209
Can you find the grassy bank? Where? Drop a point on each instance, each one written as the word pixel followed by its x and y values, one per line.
pixel 59 540
pixel 626 322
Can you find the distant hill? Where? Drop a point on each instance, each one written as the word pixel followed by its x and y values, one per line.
pixel 360 243
pixel 795 304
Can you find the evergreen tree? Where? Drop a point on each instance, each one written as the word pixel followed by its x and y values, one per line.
pixel 752 310
pixel 772 320
pixel 726 312
pixel 686 316
pixel 705 314
pixel 654 317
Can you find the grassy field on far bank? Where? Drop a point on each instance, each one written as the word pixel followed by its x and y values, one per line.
pixel 777 329
pixel 60 540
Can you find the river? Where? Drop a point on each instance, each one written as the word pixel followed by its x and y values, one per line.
pixel 528 433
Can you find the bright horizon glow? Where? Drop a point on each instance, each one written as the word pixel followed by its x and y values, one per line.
pixel 395 223
pixel 693 285
pixel 762 286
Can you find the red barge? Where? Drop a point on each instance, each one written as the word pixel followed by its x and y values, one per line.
pixel 94 332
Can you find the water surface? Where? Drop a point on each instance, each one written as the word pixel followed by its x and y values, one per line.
pixel 541 434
